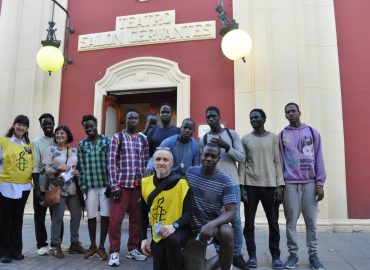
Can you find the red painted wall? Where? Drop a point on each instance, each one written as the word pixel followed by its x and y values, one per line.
pixel 211 73
pixel 352 19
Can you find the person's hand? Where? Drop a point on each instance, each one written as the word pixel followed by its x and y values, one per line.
pixel 243 194
pixel 319 193
pixel 75 173
pixel 37 193
pixel 166 231
pixel 207 232
pixel 221 143
pixel 278 195
pixel 63 167
pixel 145 247
pixel 116 195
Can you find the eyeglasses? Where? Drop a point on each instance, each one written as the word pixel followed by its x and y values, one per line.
pixel 163 148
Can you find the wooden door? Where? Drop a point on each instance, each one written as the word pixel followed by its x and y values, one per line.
pixel 111 115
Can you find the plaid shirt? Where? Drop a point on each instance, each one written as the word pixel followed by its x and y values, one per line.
pixel 93 162
pixel 127 164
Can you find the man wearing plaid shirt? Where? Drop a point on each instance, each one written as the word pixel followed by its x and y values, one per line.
pixel 128 156
pixel 93 162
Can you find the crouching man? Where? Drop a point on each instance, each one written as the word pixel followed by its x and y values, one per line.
pixel 213 205
pixel 166 198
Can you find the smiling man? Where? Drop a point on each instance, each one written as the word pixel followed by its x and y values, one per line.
pixel 128 157
pixel 93 163
pixel 39 146
pixel 262 179
pixel 184 148
pixel 166 198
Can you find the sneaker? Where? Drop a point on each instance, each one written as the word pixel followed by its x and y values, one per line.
pixel 43 251
pixel 252 262
pixel 114 259
pixel 102 255
pixel 136 255
pixel 76 248
pixel 239 262
pixel 315 262
pixel 277 264
pixel 6 260
pixel 90 252
pixel 292 261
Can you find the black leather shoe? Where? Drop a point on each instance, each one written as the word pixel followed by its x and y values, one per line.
pixel 6 260
pixel 18 257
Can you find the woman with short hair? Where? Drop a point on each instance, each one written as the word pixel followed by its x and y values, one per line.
pixel 56 160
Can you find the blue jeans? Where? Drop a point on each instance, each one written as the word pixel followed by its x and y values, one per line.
pixel 237 225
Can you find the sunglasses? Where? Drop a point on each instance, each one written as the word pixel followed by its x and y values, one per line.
pixel 163 148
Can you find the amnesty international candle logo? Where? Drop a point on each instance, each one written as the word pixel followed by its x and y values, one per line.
pixel 147 28
pixel 159 212
pixel 21 162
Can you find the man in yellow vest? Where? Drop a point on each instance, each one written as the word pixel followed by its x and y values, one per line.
pixel 167 199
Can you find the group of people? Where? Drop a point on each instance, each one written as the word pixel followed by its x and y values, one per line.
pixel 189 192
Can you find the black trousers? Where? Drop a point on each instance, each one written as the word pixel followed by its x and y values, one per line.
pixel 11 223
pixel 167 253
pixel 271 208
pixel 39 221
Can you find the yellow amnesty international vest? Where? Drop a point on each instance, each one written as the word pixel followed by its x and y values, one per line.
pixel 167 206
pixel 17 162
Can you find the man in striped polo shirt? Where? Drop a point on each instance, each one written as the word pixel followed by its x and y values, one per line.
pixel 93 163
pixel 213 204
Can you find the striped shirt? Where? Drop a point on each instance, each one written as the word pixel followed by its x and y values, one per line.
pixel 93 162
pixel 127 164
pixel 208 195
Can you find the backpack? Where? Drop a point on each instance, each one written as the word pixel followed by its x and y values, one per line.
pixel 120 140
pixel 228 133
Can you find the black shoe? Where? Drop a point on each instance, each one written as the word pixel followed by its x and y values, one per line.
pixel 18 257
pixel 239 262
pixel 6 260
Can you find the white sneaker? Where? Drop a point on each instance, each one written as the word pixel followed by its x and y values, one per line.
pixel 43 251
pixel 114 259
pixel 136 255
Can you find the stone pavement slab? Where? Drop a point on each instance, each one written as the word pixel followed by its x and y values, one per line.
pixel 338 251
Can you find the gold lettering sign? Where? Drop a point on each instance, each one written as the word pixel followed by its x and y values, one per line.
pixel 147 28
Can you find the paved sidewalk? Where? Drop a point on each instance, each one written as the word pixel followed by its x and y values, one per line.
pixel 338 251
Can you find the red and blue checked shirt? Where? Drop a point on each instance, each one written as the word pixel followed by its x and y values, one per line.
pixel 127 164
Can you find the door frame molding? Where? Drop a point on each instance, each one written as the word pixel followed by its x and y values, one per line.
pixel 144 73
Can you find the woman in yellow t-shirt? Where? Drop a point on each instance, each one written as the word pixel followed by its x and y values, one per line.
pixel 16 163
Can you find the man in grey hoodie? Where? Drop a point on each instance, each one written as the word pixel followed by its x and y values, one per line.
pixel 304 175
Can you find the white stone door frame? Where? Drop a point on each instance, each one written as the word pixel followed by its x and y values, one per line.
pixel 144 73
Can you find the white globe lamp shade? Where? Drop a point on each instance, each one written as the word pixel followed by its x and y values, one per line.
pixel 236 44
pixel 50 59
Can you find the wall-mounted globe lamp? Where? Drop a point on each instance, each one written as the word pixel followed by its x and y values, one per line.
pixel 49 57
pixel 236 43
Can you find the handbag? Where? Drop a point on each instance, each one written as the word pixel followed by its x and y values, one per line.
pixel 52 197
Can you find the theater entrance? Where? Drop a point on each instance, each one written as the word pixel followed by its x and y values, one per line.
pixel 145 101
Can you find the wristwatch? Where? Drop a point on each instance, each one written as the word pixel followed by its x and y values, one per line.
pixel 176 225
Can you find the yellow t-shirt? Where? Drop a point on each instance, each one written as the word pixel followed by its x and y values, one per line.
pixel 17 162
pixel 167 206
